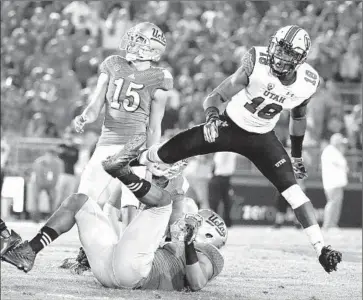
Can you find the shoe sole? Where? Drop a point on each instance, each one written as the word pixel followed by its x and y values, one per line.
pixel 118 161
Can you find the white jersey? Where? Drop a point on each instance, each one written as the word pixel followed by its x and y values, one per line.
pixel 257 108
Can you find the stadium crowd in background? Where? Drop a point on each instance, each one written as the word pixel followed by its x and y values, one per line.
pixel 51 50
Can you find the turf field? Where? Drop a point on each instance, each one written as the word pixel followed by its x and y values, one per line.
pixel 260 263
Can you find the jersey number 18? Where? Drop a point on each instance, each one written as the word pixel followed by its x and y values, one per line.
pixel 131 102
pixel 268 112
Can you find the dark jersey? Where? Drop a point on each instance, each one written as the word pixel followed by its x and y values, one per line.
pixel 128 98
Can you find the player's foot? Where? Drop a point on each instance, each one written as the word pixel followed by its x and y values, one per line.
pixel 118 165
pixel 330 258
pixel 68 263
pixel 81 259
pixel 21 256
pixel 9 242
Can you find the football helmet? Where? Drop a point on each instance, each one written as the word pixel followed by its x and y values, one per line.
pixel 213 229
pixel 144 42
pixel 288 49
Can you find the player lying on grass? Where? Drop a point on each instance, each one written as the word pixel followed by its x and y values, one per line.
pixel 8 239
pixel 136 261
pixel 169 178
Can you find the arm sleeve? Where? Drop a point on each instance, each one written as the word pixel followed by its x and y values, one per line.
pixel 247 66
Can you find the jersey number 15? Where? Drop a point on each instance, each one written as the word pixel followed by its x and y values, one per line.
pixel 131 101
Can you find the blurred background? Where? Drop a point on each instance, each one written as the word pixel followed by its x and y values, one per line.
pixel 50 53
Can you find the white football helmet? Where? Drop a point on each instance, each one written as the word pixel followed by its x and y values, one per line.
pixel 213 229
pixel 145 41
pixel 288 49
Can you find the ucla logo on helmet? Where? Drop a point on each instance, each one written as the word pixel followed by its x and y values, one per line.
pixel 159 36
pixel 307 42
pixel 216 221
pixel 270 86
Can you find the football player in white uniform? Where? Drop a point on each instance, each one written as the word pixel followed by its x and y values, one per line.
pixel 136 260
pixel 269 80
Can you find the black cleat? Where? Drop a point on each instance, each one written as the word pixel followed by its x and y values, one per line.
pixel 118 165
pixel 329 259
pixel 9 242
pixel 21 256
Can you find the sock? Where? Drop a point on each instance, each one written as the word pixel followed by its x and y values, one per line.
pixel 316 238
pixel 4 230
pixel 150 155
pixel 43 238
pixel 137 185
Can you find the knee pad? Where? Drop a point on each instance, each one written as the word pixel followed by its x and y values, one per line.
pixel 75 201
pixel 295 196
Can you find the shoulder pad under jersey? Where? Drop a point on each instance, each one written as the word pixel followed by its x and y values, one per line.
pixel 112 61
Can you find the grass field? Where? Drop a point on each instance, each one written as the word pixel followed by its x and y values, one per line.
pixel 260 264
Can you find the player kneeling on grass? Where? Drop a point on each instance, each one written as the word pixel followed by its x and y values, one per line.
pixel 136 261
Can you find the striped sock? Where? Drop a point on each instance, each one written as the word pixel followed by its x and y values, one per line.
pixel 43 238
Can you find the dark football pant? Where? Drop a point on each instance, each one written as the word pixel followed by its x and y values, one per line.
pixel 264 150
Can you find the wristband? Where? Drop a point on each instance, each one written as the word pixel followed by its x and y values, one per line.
pixel 212 112
pixel 191 256
pixel 296 145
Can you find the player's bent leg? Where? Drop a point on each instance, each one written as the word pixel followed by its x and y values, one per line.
pixel 98 241
pixel 274 163
pixel 94 180
pixel 186 144
pixel 62 220
pixel 135 251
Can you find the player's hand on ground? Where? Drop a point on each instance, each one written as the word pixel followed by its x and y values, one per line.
pixel 79 123
pixel 211 129
pixel 329 259
pixel 299 168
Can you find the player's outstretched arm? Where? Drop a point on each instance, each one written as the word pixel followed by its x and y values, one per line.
pixel 224 92
pixel 93 109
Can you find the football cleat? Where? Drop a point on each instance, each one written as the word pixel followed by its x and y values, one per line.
pixel 72 263
pixel 68 263
pixel 21 256
pixel 329 259
pixel 9 242
pixel 118 165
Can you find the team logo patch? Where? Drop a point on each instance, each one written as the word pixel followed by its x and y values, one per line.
pixel 270 86
pixel 117 67
pixel 307 42
pixel 158 36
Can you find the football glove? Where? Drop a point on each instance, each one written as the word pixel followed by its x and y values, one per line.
pixel 212 124
pixel 185 229
pixel 329 259
pixel 79 122
pixel 299 168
